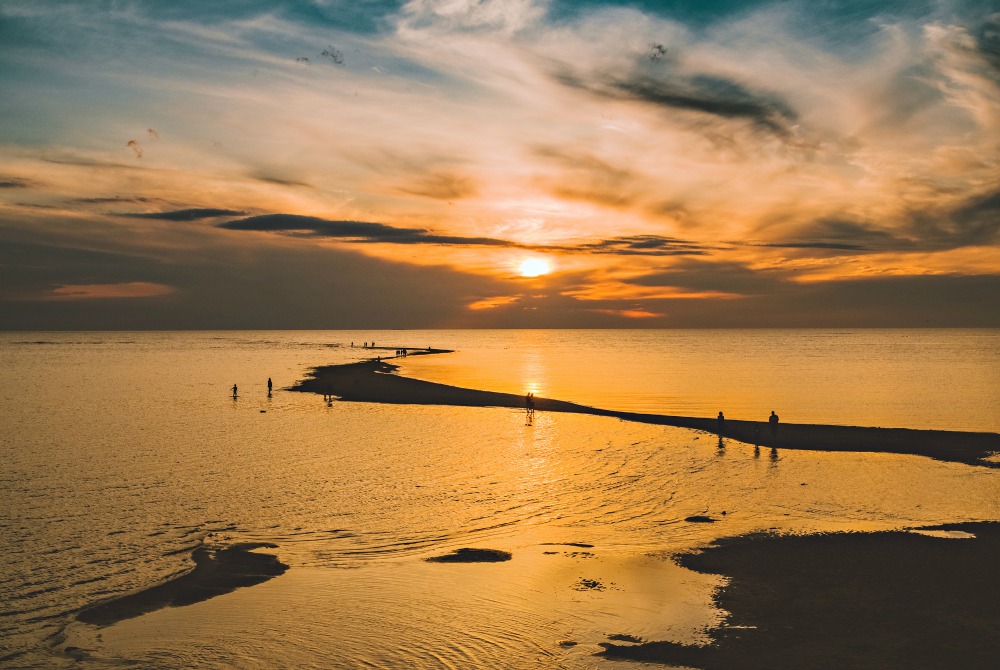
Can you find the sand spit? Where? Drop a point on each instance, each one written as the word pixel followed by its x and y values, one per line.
pixel 216 571
pixel 847 600
pixel 467 555
pixel 373 381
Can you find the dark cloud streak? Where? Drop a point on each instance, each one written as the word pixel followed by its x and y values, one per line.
pixel 187 214
pixel 356 231
pixel 714 96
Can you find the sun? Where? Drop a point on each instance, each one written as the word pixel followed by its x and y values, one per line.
pixel 534 267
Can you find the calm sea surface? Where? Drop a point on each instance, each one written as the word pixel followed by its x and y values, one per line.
pixel 121 452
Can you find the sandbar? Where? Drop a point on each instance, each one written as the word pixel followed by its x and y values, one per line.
pixel 469 555
pixel 847 600
pixel 216 571
pixel 376 381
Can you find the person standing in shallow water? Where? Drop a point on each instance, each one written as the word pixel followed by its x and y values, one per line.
pixel 722 422
pixel 234 391
pixel 773 420
pixel 269 386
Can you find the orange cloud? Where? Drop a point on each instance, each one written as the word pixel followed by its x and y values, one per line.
pixel 138 289
pixel 622 291
pixel 631 313
pixel 493 303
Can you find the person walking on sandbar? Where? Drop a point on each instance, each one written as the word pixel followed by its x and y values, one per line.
pixel 269 385
pixel 234 391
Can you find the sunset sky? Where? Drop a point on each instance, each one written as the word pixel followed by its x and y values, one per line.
pixel 517 163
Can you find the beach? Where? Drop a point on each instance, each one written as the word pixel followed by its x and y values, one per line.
pixel 922 599
pixel 155 521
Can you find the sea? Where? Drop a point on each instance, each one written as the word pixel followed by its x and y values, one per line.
pixel 123 452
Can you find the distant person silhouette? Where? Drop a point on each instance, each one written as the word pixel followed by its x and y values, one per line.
pixel 722 422
pixel 773 420
pixel 269 387
pixel 234 391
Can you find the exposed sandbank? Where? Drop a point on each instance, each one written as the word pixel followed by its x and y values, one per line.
pixel 216 571
pixel 847 600
pixel 372 381
pixel 467 555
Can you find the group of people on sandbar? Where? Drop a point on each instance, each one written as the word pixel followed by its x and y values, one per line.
pixel 270 388
pixel 771 420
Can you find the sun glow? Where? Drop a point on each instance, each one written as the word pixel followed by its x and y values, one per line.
pixel 534 267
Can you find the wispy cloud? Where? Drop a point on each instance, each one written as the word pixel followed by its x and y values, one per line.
pixel 14 182
pixel 645 148
pixel 127 290
pixel 356 231
pixel 194 214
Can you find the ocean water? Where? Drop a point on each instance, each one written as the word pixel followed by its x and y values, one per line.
pixel 122 452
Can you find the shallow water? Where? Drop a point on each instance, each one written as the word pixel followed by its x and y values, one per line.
pixel 121 452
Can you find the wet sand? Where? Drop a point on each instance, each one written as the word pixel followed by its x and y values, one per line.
pixel 216 571
pixel 468 555
pixel 847 600
pixel 374 381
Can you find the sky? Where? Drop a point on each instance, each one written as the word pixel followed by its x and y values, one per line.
pixel 331 164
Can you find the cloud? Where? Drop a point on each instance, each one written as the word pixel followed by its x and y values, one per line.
pixel 354 231
pixel 440 186
pixel 857 139
pixel 493 302
pixel 15 182
pixel 705 94
pixel 588 178
pixel 632 313
pixel 726 277
pixel 115 199
pixel 127 290
pixel 280 181
pixel 835 234
pixel 187 214
pixel 972 223
pixel 643 245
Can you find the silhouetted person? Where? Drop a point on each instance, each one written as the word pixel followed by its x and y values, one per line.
pixel 722 422
pixel 269 387
pixel 234 391
pixel 529 404
pixel 773 420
